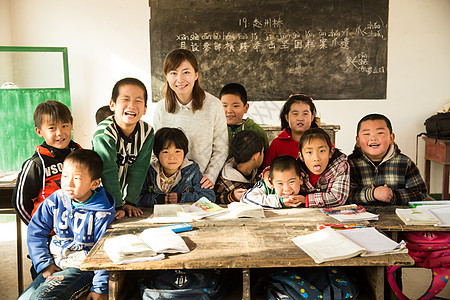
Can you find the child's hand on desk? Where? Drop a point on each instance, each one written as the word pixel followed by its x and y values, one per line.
pixel 120 213
pixel 95 296
pixel 132 211
pixel 238 193
pixel 171 198
pixel 383 193
pixel 50 270
pixel 206 183
pixel 294 200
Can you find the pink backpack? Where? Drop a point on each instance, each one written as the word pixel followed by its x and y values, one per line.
pixel 431 250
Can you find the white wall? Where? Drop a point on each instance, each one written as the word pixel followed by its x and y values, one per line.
pixel 109 39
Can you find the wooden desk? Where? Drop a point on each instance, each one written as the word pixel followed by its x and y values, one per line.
pixel 437 151
pixel 240 244
pixel 6 191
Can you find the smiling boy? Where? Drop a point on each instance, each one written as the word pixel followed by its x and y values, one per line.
pixel 125 142
pixel 379 173
pixel 234 100
pixel 283 188
pixel 41 174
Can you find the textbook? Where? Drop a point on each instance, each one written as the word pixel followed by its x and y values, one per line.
pixel 328 244
pixel 151 244
pixel 339 226
pixel 414 204
pixel 8 177
pixel 437 215
pixel 184 213
pixel 202 208
pixel 243 210
pixel 129 248
pixel 349 213
pixel 414 216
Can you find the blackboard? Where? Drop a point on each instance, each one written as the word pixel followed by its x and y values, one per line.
pixel 329 49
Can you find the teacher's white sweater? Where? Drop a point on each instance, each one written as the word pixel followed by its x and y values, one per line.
pixel 206 130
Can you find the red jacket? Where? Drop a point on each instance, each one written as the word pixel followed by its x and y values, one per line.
pixel 39 178
pixel 283 144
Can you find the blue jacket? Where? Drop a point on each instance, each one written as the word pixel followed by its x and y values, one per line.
pixel 187 185
pixel 76 229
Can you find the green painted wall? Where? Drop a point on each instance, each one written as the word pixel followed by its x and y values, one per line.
pixel 17 135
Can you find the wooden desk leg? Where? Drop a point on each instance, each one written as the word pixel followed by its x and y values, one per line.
pixel 375 277
pixel 427 174
pixel 245 284
pixel 445 182
pixel 19 255
pixel 113 285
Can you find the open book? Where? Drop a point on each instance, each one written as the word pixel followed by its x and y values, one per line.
pixel 437 215
pixel 243 210
pixel 328 244
pixel 349 213
pixel 151 244
pixel 414 204
pixel 179 213
pixel 202 208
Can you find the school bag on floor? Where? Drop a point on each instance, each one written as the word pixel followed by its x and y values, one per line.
pixel 184 284
pixel 309 283
pixel 431 250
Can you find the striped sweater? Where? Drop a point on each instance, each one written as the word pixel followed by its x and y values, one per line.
pixel 125 159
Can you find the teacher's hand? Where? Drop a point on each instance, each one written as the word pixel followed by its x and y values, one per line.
pixel 206 183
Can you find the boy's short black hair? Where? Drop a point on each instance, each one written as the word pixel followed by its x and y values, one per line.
pixel 374 117
pixel 167 136
pixel 234 89
pixel 52 110
pixel 87 159
pixel 245 144
pixel 125 81
pixel 284 163
pixel 102 113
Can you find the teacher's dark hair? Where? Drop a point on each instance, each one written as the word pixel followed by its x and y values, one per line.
pixel 172 61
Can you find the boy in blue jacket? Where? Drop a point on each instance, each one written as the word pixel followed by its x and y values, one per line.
pixel 171 177
pixel 79 213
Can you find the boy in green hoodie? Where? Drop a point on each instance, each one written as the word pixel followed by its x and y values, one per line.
pixel 234 100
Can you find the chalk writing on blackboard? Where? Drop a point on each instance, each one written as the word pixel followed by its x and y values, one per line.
pixel 329 53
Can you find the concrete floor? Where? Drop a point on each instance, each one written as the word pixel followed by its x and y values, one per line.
pixel 415 280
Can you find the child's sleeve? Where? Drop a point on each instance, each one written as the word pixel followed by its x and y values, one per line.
pixel 137 172
pixel 259 195
pixel 337 190
pixel 100 280
pixel 28 187
pixel 357 191
pixel 105 146
pixel 197 190
pixel 224 191
pixel 38 234
pixel 415 188
pixel 220 144
pixel 149 195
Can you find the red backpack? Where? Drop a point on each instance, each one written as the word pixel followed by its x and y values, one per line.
pixel 431 250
